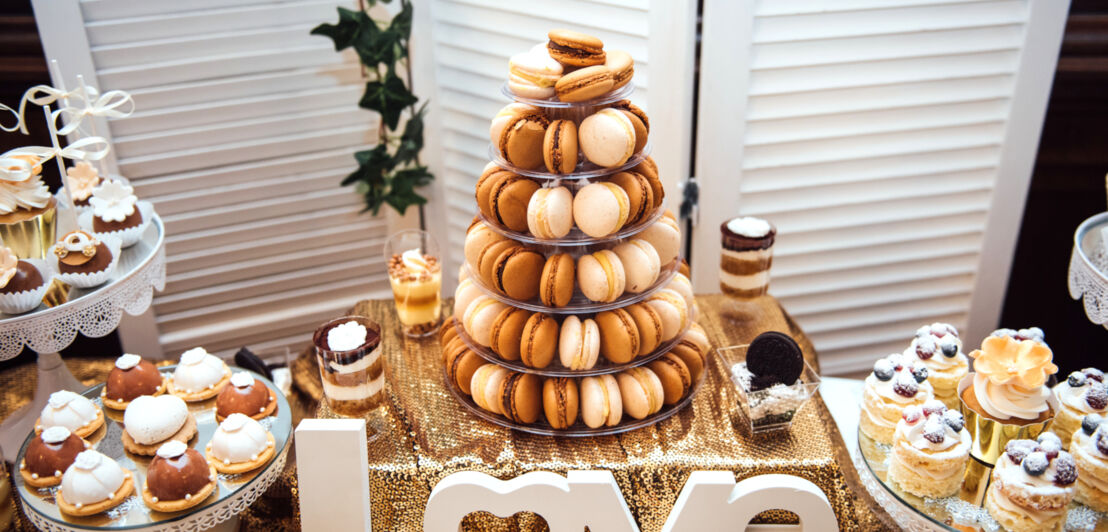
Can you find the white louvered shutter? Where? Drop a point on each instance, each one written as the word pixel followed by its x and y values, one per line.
pixel 472 41
pixel 245 125
pixel 890 141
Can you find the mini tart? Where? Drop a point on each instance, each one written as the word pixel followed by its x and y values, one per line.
pixel 202 395
pixel 184 434
pixel 235 468
pixel 120 495
pixel 83 432
pixel 122 405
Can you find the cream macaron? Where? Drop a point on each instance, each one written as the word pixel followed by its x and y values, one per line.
pixel 673 310
pixel 607 138
pixel 601 402
pixel 641 391
pixel 533 75
pixel 641 265
pixel 600 276
pixel 479 318
pixel 600 209
pixel 665 236
pixel 579 343
pixel 466 292
pixel 550 212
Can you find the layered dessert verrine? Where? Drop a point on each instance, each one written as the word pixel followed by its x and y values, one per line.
pixel 415 275
pixel 746 257
pixel 350 364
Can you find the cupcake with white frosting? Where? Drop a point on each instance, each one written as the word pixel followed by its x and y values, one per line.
pixel 116 211
pixel 199 376
pixel 72 411
pixel 895 384
pixel 938 347
pixel 930 450
pixel 1089 448
pixel 1082 393
pixel 1032 484
pixel 240 444
pixel 93 484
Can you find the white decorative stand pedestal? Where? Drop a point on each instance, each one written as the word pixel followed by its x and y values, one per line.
pixel 1088 264
pixel 94 312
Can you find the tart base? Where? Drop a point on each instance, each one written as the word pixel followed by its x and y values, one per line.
pixel 121 494
pixel 1017 522
pixel 243 467
pixel 40 482
pixel 122 405
pixel 180 504
pixel 83 432
pixel 184 434
pixel 270 408
pixel 202 395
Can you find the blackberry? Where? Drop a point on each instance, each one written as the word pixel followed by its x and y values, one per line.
pixel 1097 397
pixel 1065 469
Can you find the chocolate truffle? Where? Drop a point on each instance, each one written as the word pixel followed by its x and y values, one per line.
pixel 26 277
pixel 246 395
pixel 101 226
pixel 172 476
pixel 131 377
pixel 80 252
pixel 49 454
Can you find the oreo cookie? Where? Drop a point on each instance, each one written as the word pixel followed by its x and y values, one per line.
pixel 774 358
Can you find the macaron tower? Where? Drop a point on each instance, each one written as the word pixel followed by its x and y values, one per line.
pixel 567 317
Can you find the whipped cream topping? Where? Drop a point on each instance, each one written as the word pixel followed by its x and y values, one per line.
pixel 92 478
pixel 127 361
pixel 886 389
pixel 1012 473
pixel 113 201
pixel 346 336
pixel 149 419
pixel 28 192
pixel 238 439
pixel 241 379
pixel 55 434
pixel 172 449
pixel 1007 401
pixel 83 177
pixel 1074 396
pixel 934 345
pixel 198 370
pixel 749 226
pixel 8 265
pixel 921 434
pixel 1088 443
pixel 414 261
pixel 69 410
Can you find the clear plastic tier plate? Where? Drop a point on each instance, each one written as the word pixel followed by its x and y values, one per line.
pixel 1088 273
pixel 621 93
pixel 556 369
pixel 961 512
pixel 584 170
pixel 578 429
pixel 575 236
pixel 579 304
pixel 234 494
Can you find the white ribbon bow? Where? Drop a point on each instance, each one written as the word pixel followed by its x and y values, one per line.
pixel 108 105
pixel 86 149
pixel 42 95
pixel 18 121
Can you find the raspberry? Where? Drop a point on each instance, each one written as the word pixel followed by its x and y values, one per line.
pixel 1065 469
pixel 926 347
pixel 912 414
pixel 905 386
pixel 1090 423
pixel 948 346
pixel 933 430
pixel 1101 442
pixel 883 370
pixel 954 420
pixel 1076 379
pixel 1094 374
pixel 933 406
pixel 1036 463
pixel 919 372
pixel 1050 447
pixel 943 329
pixel 1097 397
pixel 1018 449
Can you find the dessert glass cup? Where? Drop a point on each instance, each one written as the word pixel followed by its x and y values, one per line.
pixel 418 297
pixel 990 436
pixel 30 234
pixel 763 410
pixel 744 277
pixel 354 380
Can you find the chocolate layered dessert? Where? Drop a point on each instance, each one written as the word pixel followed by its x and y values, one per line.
pixel 746 257
pixel 350 364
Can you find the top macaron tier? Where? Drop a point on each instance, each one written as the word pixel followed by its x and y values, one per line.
pixel 571 69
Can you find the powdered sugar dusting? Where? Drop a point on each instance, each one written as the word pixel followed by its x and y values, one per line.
pixel 1082 518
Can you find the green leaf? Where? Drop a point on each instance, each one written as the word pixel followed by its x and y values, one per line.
pixel 411 141
pixel 402 22
pixel 402 185
pixel 343 33
pixel 389 98
pixel 373 164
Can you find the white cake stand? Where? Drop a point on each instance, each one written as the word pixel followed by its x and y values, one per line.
pixel 1088 264
pixel 94 312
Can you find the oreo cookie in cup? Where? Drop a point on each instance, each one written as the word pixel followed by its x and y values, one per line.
pixel 746 257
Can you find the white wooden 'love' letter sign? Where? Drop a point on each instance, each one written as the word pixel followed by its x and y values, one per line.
pixel 710 501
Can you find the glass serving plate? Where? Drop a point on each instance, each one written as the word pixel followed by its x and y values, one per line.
pixel 578 429
pixel 621 93
pixel 963 511
pixel 584 169
pixel 556 369
pixel 133 514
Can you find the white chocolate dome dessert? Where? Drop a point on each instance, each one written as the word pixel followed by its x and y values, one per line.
pixel 72 411
pixel 150 421
pixel 199 375
pixel 93 484
pixel 239 444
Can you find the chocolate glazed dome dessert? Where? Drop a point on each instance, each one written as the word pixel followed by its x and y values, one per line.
pixel 131 377
pixel 177 476
pixel 246 395
pixel 48 456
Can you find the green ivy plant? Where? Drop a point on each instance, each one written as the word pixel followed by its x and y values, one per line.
pixel 390 172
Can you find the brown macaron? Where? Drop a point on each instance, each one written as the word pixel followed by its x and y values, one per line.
pixel 560 402
pixel 461 365
pixel 453 347
pixel 447 332
pixel 556 283
pixel 483 191
pixel 509 195
pixel 690 355
pixel 621 66
pixel 507 331
pixel 649 325
pixel 521 141
pixel 575 49
pixel 585 84
pixel 521 397
pixel 675 376
pixel 486 259
pixel 640 195
pixel 649 169
pixel 559 147
pixel 516 273
pixel 619 336
pixel 539 344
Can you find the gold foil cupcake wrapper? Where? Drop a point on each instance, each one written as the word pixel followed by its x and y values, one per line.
pixel 31 237
pixel 991 436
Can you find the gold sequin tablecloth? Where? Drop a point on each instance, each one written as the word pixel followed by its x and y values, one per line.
pixel 430 436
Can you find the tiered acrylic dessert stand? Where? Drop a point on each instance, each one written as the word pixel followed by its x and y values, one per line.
pixel 219 512
pixel 576 244
pixel 94 312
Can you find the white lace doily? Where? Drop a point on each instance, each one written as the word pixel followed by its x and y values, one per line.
pixel 95 312
pixel 1088 262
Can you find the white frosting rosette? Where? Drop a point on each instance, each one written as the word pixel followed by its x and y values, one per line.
pixel 91 279
pixel 28 300
pixel 116 209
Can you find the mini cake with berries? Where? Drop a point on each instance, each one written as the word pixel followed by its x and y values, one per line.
pixel 1032 484
pixel 895 384
pixel 1082 393
pixel 939 348
pixel 1089 448
pixel 930 450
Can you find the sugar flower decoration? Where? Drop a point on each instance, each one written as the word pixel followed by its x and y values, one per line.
pixel 1005 360
pixel 112 201
pixel 82 179
pixel 8 264
pixel 24 192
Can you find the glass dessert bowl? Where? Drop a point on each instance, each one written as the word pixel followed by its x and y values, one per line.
pixel 769 402
pixel 415 275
